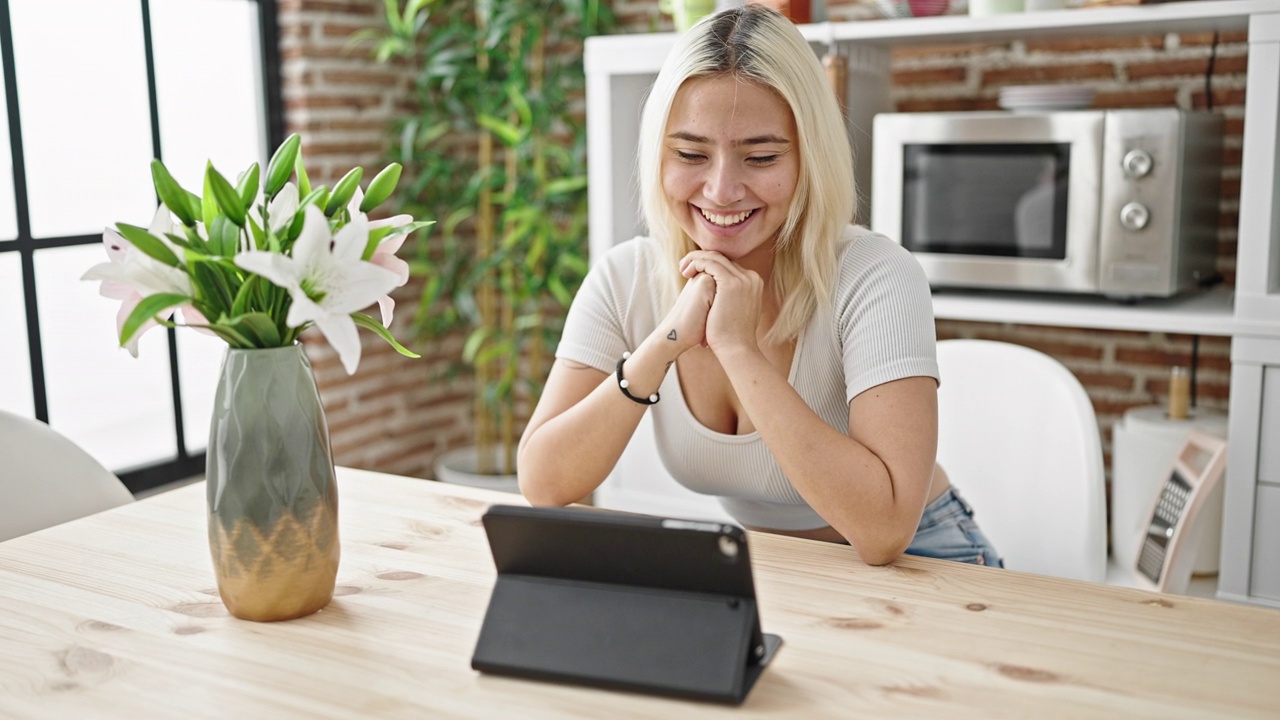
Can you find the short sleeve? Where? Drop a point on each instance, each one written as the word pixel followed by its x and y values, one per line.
pixel 596 328
pixel 884 314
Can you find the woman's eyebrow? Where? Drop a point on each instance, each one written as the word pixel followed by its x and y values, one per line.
pixel 757 140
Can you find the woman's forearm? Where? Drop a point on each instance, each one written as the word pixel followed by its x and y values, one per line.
pixel 565 455
pixel 848 483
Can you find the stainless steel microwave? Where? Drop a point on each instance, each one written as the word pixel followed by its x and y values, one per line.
pixel 1121 203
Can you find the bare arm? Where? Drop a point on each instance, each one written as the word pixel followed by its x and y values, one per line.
pixel 871 484
pixel 583 422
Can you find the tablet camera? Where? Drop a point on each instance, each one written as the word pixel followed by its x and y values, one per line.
pixel 728 547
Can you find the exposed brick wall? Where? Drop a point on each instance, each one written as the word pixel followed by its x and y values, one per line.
pixel 396 414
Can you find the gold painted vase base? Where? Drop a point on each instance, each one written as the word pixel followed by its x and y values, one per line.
pixel 284 573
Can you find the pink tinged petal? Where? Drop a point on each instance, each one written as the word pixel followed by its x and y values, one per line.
pixel 283 271
pixel 391 244
pixel 117 247
pixel 393 221
pixel 340 331
pixel 388 308
pixel 392 263
pixel 192 317
pixel 126 309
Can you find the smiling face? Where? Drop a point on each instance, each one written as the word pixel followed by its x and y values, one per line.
pixel 730 166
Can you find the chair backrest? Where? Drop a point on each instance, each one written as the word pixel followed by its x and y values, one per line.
pixel 1019 439
pixel 46 479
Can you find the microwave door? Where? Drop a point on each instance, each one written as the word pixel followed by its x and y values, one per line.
pixel 992 199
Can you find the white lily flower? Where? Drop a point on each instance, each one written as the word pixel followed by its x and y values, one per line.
pixel 282 208
pixel 326 280
pixel 385 254
pixel 131 275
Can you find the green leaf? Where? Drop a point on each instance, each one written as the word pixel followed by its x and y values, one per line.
pixel 474 342
pixel 377 235
pixel 224 236
pixel 564 186
pixel 240 305
pixel 149 244
pixel 282 163
pixel 343 191
pixel 211 285
pixel 509 134
pixel 369 323
pixel 171 193
pixel 260 328
pixel 209 204
pixel 248 186
pixel 150 306
pixel 227 197
pixel 229 334
pixel 381 187
pixel 194 202
pixel 259 235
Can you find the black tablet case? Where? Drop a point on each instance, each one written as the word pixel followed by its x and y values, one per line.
pixel 622 601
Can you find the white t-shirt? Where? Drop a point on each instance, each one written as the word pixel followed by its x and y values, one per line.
pixel 879 328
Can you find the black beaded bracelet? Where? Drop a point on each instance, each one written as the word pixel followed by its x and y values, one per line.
pixel 623 384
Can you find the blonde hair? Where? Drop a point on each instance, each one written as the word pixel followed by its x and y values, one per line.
pixel 759 45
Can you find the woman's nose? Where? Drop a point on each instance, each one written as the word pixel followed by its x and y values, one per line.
pixel 723 183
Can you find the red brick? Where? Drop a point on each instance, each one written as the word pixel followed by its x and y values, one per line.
pixel 1095 44
pixel 1025 74
pixel 930 76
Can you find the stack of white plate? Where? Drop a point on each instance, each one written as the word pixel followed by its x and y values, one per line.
pixel 1041 98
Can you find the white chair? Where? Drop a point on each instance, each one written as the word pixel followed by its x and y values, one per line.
pixel 46 479
pixel 1019 439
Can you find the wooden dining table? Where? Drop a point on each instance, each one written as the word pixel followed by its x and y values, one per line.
pixel 116 615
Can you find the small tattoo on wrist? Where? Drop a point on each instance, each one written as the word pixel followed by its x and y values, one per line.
pixel 671 335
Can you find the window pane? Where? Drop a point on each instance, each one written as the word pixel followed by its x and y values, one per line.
pixel 199 362
pixel 15 361
pixel 208 86
pixel 8 211
pixel 117 408
pixel 86 129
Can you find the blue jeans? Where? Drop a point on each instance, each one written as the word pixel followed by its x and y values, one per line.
pixel 947 532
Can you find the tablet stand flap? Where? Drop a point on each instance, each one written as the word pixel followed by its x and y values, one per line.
pixel 667 642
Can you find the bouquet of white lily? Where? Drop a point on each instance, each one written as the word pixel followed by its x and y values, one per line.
pixel 257 264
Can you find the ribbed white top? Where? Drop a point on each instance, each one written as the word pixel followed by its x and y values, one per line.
pixel 879 328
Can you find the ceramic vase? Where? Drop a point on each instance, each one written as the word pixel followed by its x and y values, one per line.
pixel 273 502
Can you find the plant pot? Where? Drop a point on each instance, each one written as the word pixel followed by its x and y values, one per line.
pixel 459 467
pixel 272 498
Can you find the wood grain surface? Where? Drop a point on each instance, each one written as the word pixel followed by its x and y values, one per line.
pixel 116 615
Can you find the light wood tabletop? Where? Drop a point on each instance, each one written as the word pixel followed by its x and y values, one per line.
pixel 116 615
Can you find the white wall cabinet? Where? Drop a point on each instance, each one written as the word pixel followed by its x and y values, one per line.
pixel 621 68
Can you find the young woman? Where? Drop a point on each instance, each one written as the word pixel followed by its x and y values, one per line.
pixel 787 356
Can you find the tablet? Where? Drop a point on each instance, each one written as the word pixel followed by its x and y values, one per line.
pixel 631 602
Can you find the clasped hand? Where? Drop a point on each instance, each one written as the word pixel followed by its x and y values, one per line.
pixel 719 307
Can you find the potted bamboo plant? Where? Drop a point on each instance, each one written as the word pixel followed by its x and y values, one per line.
pixel 497 151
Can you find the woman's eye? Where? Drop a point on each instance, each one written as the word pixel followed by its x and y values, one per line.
pixel 762 159
pixel 688 156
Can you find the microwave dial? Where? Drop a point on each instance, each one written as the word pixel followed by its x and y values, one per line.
pixel 1137 163
pixel 1134 216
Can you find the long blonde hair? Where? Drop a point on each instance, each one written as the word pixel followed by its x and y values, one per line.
pixel 757 44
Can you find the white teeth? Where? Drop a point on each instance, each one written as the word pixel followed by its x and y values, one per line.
pixel 726 220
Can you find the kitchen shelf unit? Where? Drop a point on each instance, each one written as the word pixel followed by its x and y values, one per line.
pixel 620 69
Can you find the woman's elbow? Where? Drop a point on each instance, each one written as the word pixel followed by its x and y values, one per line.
pixel 538 493
pixel 881 551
